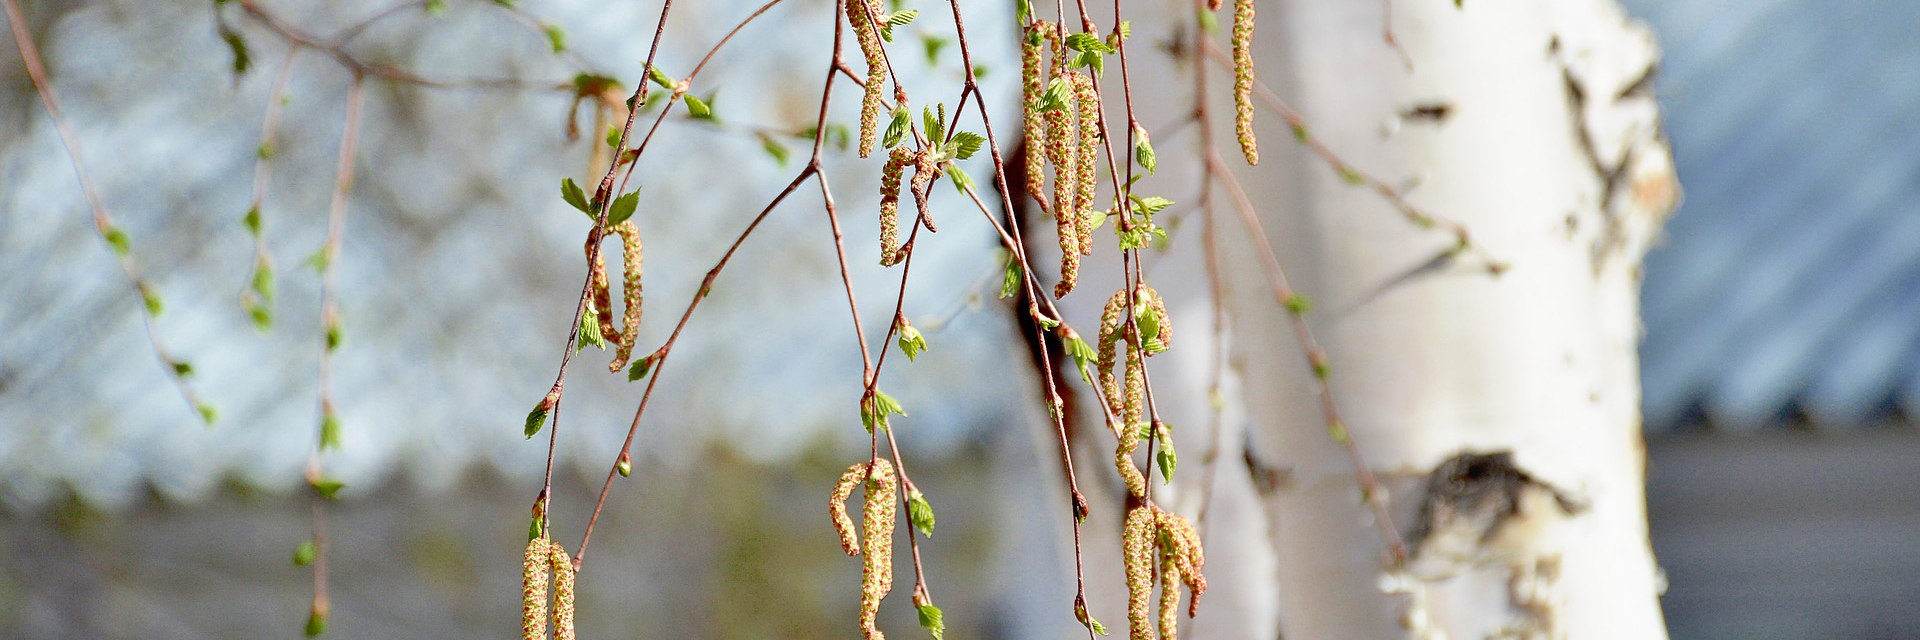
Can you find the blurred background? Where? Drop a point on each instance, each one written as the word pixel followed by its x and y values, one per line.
pixel 1781 362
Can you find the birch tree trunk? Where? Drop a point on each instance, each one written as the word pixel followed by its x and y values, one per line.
pixel 1532 124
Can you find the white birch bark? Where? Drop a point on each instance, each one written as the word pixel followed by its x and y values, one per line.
pixel 1550 154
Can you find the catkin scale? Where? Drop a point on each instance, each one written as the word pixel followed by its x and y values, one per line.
pixel 1243 79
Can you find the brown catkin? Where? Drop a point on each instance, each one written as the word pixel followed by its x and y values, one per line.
pixel 562 591
pixel 926 167
pixel 869 37
pixel 630 252
pixel 1137 540
pixel 1243 79
pixel 890 205
pixel 1032 82
pixel 1087 98
pixel 602 299
pixel 533 591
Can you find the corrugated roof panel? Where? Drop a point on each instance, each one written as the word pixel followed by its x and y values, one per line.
pixel 1783 279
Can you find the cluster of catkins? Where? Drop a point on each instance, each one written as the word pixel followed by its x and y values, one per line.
pixel 600 317
pixel 1128 401
pixel 544 556
pixel 1062 118
pixel 879 516
pixel 1151 534
pixel 925 168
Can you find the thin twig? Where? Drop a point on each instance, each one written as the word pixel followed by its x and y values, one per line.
pixel 1315 358
pixel 1463 242
pixel 1011 236
pixel 177 370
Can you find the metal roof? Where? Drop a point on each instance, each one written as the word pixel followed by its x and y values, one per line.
pixel 1788 283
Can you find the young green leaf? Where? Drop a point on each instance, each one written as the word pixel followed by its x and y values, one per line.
pixel 117 239
pixel 329 430
pixel 964 144
pixel 961 180
pixel 639 369
pixel 574 196
pixel 930 618
pixel 263 279
pixel 1145 318
pixel 898 19
pixel 623 208
pixel 774 148
pixel 1299 304
pixel 207 413
pixel 327 488
pixel 1055 96
pixel 1083 355
pixel 936 125
pixel 242 59
pixel 1086 43
pixel 590 329
pixel 698 108
pixel 911 342
pixel 1167 458
pixel 1010 281
pixel 1143 149
pixel 303 553
pixel 660 78
pixel 333 334
pixel 1091 60
pixel 875 409
pixel 537 419
pixel 1149 205
pixel 317 619
pixel 896 129
pixel 154 304
pixel 183 369
pixel 933 44
pixel 624 465
pixel 920 512
pixel 555 36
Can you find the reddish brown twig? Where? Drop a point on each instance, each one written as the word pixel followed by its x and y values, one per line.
pixel 103 224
